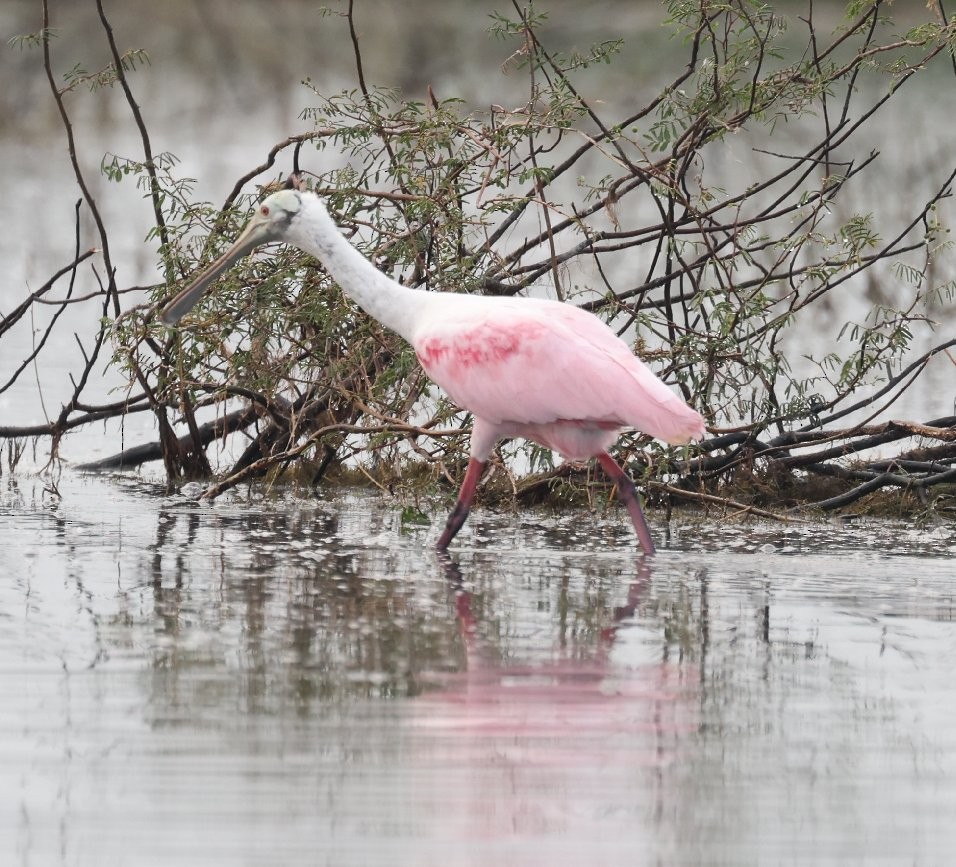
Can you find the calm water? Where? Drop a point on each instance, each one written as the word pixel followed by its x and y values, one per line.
pixel 301 682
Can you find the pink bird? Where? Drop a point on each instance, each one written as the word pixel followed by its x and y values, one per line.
pixel 524 367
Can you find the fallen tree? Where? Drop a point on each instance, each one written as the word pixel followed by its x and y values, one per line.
pixel 557 197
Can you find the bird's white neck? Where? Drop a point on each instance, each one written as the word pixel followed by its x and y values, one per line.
pixel 392 304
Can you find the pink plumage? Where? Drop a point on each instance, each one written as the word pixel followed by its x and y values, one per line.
pixel 524 367
pixel 549 372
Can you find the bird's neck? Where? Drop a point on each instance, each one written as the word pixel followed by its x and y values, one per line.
pixel 392 304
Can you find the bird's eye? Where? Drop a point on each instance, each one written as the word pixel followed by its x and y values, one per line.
pixel 264 210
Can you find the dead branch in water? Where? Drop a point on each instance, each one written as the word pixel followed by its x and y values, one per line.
pixel 560 192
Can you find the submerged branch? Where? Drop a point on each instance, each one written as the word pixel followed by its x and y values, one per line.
pixel 708 277
pixel 207 433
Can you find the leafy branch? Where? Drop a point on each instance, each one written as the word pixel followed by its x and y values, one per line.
pixel 624 210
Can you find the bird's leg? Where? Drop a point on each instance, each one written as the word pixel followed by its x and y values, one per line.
pixel 467 493
pixel 627 494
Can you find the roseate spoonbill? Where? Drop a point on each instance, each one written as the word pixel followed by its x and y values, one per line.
pixel 529 367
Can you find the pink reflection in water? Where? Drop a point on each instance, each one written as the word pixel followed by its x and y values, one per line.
pixel 567 749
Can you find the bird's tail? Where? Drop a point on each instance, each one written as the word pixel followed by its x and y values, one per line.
pixel 656 410
pixel 683 424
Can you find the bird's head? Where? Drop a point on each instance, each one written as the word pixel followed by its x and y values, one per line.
pixel 270 222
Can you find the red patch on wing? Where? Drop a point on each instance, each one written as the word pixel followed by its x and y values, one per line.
pixel 484 346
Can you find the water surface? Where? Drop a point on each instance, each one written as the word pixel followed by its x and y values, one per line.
pixel 292 681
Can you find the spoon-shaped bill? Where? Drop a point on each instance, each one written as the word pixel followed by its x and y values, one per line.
pixel 252 236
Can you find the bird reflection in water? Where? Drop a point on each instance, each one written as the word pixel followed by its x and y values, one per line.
pixel 536 746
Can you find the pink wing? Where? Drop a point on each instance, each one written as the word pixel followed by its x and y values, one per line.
pixel 531 361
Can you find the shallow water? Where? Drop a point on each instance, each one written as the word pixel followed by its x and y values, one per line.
pixel 293 681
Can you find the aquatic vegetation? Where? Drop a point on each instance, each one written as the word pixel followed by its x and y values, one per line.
pixel 787 306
